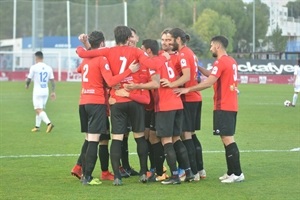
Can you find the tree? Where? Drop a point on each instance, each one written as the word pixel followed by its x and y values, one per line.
pixel 278 41
pixel 241 14
pixel 210 24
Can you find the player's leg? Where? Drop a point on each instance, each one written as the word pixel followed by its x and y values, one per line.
pixel 164 129
pixel 188 127
pixel 181 151
pixel 224 126
pixel 103 154
pixel 198 147
pixel 97 125
pixel 43 115
pixel 148 114
pixel 136 112
pixel 78 169
pixel 295 96
pixel 38 107
pixel 119 127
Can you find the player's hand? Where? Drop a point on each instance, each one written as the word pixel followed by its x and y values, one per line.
pixel 122 93
pixel 180 91
pixel 130 86
pixel 83 38
pixel 165 82
pixel 116 87
pixel 166 55
pixel 53 96
pixel 111 101
pixel 134 67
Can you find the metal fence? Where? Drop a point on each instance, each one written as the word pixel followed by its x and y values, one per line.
pixel 26 18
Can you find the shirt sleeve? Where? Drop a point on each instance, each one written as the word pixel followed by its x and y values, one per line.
pixel 30 75
pixel 83 53
pixel 140 96
pixel 108 76
pixel 150 63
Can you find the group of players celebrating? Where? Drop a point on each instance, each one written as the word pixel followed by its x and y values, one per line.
pixel 156 93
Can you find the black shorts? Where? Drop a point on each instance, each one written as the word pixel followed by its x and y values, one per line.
pixel 106 136
pixel 169 123
pixel 224 122
pixel 191 116
pixel 121 112
pixel 93 118
pixel 150 119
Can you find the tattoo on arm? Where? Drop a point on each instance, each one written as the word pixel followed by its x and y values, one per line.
pixel 53 85
pixel 28 80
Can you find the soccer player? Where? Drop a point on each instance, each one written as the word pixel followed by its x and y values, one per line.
pixel 296 84
pixel 95 73
pixel 186 65
pixel 168 117
pixel 119 58
pixel 223 77
pixel 156 156
pixel 41 75
pixel 103 155
pixel 125 168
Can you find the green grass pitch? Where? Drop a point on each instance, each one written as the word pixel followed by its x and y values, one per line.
pixel 37 165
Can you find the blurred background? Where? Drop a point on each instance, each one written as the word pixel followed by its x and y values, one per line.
pixel 264 35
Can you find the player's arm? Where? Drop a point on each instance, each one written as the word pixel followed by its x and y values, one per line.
pixel 153 84
pixel 204 71
pixel 200 86
pixel 114 80
pixel 84 40
pixel 151 63
pixel 83 53
pixel 52 95
pixel 186 75
pixel 27 83
pixel 140 96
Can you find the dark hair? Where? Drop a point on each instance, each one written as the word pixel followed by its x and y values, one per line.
pixel 133 30
pixel 165 31
pixel 151 44
pixel 39 54
pixel 95 38
pixel 177 32
pixel 122 33
pixel 221 39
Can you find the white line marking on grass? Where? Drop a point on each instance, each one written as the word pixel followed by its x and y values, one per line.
pixel 38 156
pixel 296 149
pixel 134 153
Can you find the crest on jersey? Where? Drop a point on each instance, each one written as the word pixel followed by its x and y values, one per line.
pixel 183 62
pixel 214 70
pixel 107 67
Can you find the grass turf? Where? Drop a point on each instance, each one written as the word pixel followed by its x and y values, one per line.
pixel 37 165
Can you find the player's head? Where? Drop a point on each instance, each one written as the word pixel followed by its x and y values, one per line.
pixel 217 44
pixel 39 56
pixel 134 39
pixel 179 38
pixel 150 45
pixel 165 40
pixel 96 39
pixel 122 34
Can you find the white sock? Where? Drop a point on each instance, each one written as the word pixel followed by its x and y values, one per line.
pixel 295 97
pixel 44 117
pixel 38 121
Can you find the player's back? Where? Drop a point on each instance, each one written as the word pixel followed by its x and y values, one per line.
pixel 40 73
pixel 92 83
pixel 120 58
